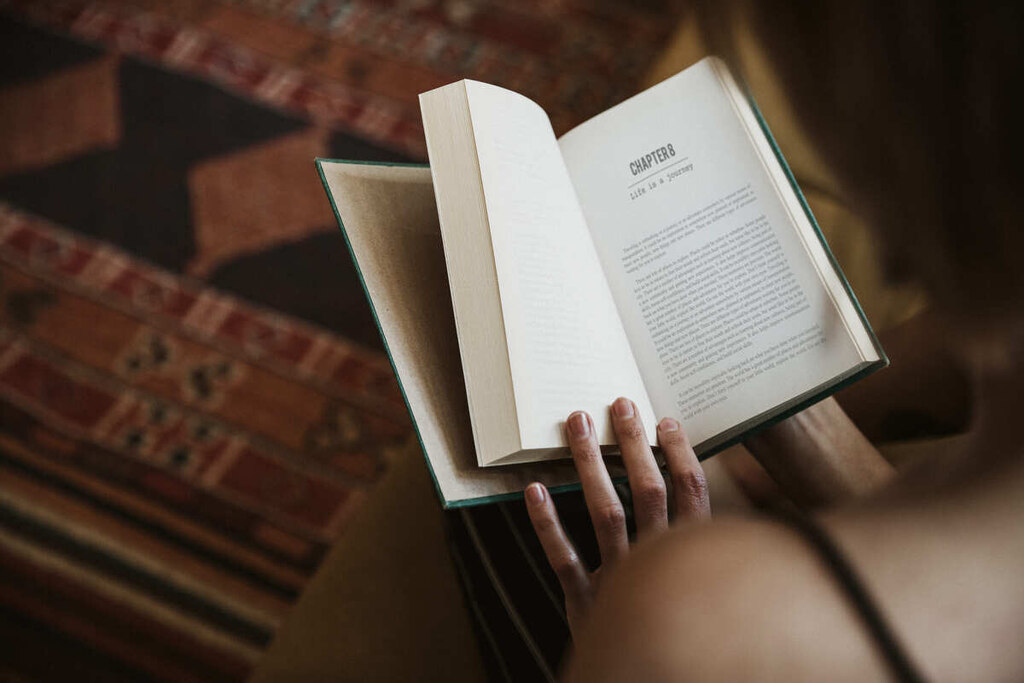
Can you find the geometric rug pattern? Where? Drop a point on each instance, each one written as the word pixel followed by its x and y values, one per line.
pixel 178 473
pixel 193 395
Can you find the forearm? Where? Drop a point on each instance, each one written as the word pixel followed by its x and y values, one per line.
pixel 819 457
pixel 824 454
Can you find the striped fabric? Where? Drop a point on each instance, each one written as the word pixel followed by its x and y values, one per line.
pixel 512 594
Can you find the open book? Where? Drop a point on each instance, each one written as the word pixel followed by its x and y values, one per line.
pixel 658 251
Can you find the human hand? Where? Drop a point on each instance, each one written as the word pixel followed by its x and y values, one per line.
pixel 650 498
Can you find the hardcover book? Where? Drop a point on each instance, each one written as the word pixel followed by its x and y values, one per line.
pixel 659 251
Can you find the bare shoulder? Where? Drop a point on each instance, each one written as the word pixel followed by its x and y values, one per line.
pixel 723 601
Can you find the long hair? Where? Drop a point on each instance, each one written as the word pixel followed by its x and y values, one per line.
pixel 916 108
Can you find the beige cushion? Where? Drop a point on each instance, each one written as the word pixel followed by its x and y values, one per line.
pixel 386 604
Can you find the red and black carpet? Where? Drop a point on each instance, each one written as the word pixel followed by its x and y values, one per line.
pixel 192 395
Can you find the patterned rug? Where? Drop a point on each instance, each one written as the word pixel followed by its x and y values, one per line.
pixel 193 400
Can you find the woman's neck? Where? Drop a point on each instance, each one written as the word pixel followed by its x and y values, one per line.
pixel 997 367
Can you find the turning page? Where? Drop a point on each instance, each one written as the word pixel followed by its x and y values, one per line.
pixel 729 310
pixel 566 347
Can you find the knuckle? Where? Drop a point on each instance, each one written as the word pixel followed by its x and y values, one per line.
pixel 630 431
pixel 691 484
pixel 610 519
pixel 586 453
pixel 649 494
pixel 565 567
pixel 544 524
pixel 674 438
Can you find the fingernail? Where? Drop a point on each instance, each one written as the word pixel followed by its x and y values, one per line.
pixel 623 407
pixel 534 494
pixel 668 425
pixel 578 424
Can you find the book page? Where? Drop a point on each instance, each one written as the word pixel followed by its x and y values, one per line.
pixel 391 225
pixel 724 306
pixel 567 347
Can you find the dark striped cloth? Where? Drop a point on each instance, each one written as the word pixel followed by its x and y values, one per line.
pixel 512 594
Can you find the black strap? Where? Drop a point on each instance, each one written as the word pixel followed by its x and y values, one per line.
pixel 895 656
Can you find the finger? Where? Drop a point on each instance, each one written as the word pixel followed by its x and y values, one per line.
pixel 650 504
pixel 561 554
pixel 689 486
pixel 603 503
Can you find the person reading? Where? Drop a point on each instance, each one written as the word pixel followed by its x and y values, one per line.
pixel 906 576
